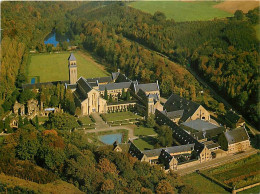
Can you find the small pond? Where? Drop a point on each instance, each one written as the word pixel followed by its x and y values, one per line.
pixel 33 80
pixel 54 39
pixel 111 138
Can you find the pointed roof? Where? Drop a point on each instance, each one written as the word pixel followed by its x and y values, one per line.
pixel 72 57
pixel 236 135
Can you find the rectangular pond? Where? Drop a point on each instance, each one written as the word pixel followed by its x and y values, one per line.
pixel 111 138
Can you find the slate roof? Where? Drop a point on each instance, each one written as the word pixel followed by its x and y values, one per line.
pixel 135 152
pixel 236 135
pixel 100 79
pixel 199 125
pixel 155 97
pixel 174 114
pixel 170 150
pixel 147 87
pixel 115 75
pixel 72 57
pixel 114 86
pixel 175 102
pixel 211 144
pixel 181 148
pixel 208 133
pixel 82 82
pixel 233 117
pixel 124 146
pixel 71 86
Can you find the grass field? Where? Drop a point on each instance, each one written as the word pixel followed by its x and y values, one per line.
pixel 141 130
pixel 58 186
pixel 54 67
pixel 145 143
pixel 182 11
pixel 251 191
pixel 85 120
pixel 240 173
pixel 231 5
pixel 118 116
pixel 202 184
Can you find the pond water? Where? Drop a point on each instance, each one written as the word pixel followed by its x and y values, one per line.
pixel 54 39
pixel 33 80
pixel 111 138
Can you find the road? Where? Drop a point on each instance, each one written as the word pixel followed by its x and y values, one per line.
pixel 216 162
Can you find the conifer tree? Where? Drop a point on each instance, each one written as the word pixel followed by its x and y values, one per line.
pixel 128 95
pixel 123 96
pixel 105 94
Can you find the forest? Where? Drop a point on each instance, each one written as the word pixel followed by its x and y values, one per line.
pixel 47 155
pixel 224 52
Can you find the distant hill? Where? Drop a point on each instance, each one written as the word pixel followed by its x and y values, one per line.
pixel 231 6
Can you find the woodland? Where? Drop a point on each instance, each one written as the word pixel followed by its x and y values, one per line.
pixel 224 52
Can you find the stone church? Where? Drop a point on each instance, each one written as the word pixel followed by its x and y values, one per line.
pixel 89 93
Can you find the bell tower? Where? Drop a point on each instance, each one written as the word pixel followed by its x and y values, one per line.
pixel 72 69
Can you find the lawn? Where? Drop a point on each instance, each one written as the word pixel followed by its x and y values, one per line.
pixel 202 184
pixel 183 11
pixel 54 67
pixel 119 116
pixel 141 130
pixel 239 173
pixel 85 120
pixel 41 119
pixel 145 143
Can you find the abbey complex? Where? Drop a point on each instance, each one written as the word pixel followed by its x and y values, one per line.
pixel 199 135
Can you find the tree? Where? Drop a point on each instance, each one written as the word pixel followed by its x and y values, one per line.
pixel 165 136
pixel 107 185
pixel 49 48
pixel 28 144
pixel 78 111
pixel 65 45
pixel 54 101
pixel 159 16
pixel 150 122
pixel 110 98
pixel 221 108
pixel 37 122
pixel 128 96
pixel 106 166
pixel 7 125
pixel 164 187
pixel 1 126
pixel 20 79
pixel 105 94
pixel 239 15
pixel 26 95
pixel 123 96
pixel 20 122
pixel 63 121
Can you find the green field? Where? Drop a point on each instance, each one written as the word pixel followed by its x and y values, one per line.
pixel 251 190
pixel 54 67
pixel 182 11
pixel 86 120
pixel 141 130
pixel 118 116
pixel 203 185
pixel 145 143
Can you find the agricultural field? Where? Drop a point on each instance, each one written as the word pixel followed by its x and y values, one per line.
pixel 202 184
pixel 145 143
pixel 119 116
pixel 237 174
pixel 141 130
pixel 182 11
pixel 231 5
pixel 251 190
pixel 54 67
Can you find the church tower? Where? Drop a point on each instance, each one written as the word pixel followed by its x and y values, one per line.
pixel 72 69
